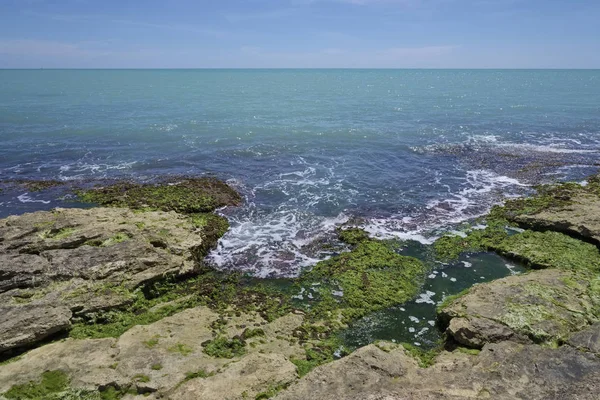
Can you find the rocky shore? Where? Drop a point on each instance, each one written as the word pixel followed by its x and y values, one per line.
pixel 114 301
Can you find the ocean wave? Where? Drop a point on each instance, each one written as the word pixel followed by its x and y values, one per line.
pixel 80 169
pixel 480 190
pixel 282 241
pixel 26 198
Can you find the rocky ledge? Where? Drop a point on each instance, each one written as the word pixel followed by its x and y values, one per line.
pixel 118 304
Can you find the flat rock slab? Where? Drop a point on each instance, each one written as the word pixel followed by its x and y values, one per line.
pixel 30 323
pixel 587 340
pixel 157 359
pixel 79 260
pixel 580 218
pixel 502 371
pixel 545 306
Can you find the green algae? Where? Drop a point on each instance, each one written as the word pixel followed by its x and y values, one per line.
pixel 51 383
pixel 450 299
pixel 222 347
pixel 368 278
pixel 425 358
pixel 449 247
pixel 534 249
pixel 352 236
pixel 553 196
pixel 198 374
pixel 549 250
pixel 184 195
pixel 218 291
pixel 181 348
pixel 319 352
pixel 271 391
pixel 141 378
pixel 57 234
pixel 117 238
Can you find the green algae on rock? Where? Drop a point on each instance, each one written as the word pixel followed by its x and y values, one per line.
pixel 534 249
pixel 184 195
pixel 544 306
pixel 449 247
pixel 220 291
pixel 50 384
pixel 222 347
pixel 368 278
pixel 549 250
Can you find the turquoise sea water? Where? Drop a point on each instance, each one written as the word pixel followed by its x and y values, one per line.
pixel 409 152
pixel 405 154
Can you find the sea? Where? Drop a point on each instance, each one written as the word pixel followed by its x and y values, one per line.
pixel 406 154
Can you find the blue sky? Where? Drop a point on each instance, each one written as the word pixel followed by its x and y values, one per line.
pixel 300 33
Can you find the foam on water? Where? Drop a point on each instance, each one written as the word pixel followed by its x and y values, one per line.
pixel 26 198
pixel 479 191
pixel 279 242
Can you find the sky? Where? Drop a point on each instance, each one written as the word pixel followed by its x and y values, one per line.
pixel 300 34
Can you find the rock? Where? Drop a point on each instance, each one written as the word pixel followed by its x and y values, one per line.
pixel 503 371
pixel 244 379
pixel 579 218
pixel 475 332
pixel 546 306
pixel 587 340
pixel 85 260
pixel 22 325
pixel 363 372
pixel 166 358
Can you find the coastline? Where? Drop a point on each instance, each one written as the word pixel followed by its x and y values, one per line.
pixel 186 330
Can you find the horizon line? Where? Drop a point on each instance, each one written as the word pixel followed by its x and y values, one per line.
pixel 300 68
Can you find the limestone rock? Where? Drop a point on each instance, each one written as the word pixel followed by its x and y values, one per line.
pixel 81 260
pixel 166 358
pixel 476 332
pixel 587 340
pixel 21 325
pixel 244 379
pixel 546 306
pixel 503 371
pixel 579 218
pixel 364 371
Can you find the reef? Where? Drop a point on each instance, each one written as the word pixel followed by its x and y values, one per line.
pixel 116 301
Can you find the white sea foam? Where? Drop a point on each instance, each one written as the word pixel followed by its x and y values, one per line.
pixel 474 199
pixel 25 198
pixel 81 169
pixel 426 298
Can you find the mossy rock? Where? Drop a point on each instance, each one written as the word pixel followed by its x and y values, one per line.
pixel 368 278
pixel 534 249
pixel 549 250
pixel 554 196
pixel 184 195
pixel 546 307
pixel 50 384
pixel 222 347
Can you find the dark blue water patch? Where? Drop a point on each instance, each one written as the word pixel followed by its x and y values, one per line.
pixel 415 322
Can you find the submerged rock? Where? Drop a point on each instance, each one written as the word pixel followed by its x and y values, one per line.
pixel 83 261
